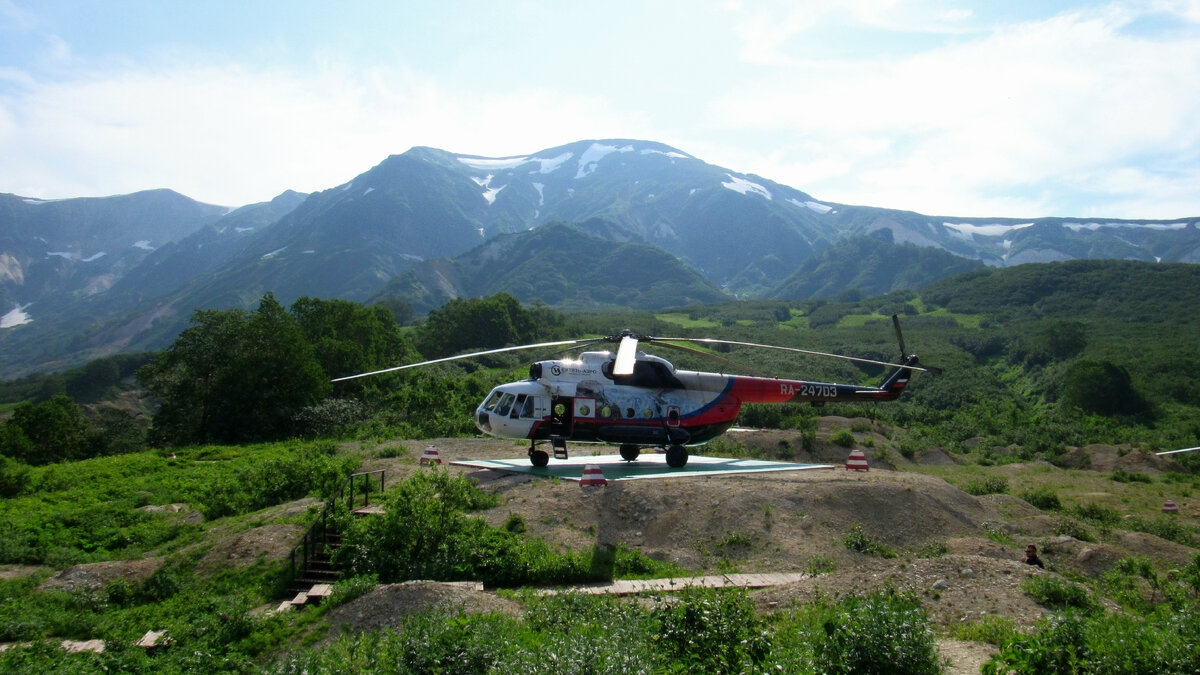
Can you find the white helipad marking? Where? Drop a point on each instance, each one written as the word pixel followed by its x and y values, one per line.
pixel 646 466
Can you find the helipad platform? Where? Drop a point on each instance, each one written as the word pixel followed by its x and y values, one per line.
pixel 646 466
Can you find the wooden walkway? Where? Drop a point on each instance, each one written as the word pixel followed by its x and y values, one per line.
pixel 632 586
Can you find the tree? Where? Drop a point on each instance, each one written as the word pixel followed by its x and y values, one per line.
pixel 44 433
pixel 234 376
pixel 477 323
pixel 348 338
pixel 1102 388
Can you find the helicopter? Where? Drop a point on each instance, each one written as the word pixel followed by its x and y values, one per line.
pixel 636 400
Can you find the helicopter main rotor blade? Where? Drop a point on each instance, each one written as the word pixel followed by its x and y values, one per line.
pixel 1172 452
pixel 713 341
pixel 626 354
pixel 711 356
pixel 467 356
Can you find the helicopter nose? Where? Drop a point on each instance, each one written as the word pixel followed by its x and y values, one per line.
pixel 483 421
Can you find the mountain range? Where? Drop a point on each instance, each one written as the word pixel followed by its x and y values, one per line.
pixel 610 223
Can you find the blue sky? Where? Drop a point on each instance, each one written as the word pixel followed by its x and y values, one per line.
pixel 1016 109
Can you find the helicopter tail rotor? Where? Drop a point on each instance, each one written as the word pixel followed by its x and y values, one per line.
pixel 911 358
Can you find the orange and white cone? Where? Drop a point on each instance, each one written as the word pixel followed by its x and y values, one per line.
pixel 431 456
pixel 1170 507
pixel 857 461
pixel 592 475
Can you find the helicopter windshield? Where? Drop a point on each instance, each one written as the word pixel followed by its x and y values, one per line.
pixel 505 404
pixel 493 399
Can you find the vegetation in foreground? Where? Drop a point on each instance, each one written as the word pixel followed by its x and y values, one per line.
pixel 1035 364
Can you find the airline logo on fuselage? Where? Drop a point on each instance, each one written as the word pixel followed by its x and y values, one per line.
pixel 560 370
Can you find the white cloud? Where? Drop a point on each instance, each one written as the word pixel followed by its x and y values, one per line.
pixel 231 135
pixel 1053 103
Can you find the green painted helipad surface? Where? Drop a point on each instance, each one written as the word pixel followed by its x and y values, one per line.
pixel 646 466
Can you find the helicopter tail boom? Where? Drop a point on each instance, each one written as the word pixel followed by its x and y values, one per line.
pixel 775 390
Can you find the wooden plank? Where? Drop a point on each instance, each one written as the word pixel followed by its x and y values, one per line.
pixel 320 591
pixel 76 646
pixel 150 639
pixel 300 598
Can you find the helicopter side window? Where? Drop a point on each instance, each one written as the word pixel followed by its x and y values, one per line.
pixel 527 409
pixel 492 400
pixel 505 404
pixel 518 406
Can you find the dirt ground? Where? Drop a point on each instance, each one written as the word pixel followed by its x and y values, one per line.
pixel 958 553
pixel 798 521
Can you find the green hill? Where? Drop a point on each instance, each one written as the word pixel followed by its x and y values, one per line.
pixel 564 266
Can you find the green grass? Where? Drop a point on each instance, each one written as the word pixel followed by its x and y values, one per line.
pixel 684 321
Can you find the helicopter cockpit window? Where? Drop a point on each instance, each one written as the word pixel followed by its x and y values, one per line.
pixel 527 409
pixel 505 404
pixel 518 406
pixel 492 400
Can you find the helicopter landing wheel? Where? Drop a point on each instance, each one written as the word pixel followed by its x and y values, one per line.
pixel 677 456
pixel 539 458
pixel 630 452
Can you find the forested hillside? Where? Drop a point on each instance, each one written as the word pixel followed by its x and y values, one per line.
pixel 120 516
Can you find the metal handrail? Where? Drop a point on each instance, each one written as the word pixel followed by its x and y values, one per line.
pixel 316 533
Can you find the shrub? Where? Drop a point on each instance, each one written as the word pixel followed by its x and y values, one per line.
pixel 883 632
pixel 857 540
pixel 933 549
pixel 1166 526
pixel 992 629
pixel 819 564
pixel 1043 498
pixel 991 485
pixel 1105 516
pixel 713 630
pixel 843 437
pixel 1058 593
pixel 1123 476
pixel 1073 528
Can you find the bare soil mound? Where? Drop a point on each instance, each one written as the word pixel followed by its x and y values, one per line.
pixel 388 605
pixel 1108 458
pixel 953 588
pixel 273 540
pixel 96 576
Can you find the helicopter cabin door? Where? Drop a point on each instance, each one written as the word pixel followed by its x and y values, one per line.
pixel 561 415
pixel 585 411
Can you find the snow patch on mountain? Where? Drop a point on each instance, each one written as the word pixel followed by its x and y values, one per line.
pixel 272 254
pixel 672 155
pixel 812 206
pixel 15 317
pixel 66 255
pixel 540 187
pixel 744 186
pixel 143 244
pixel 490 164
pixel 552 164
pixel 968 230
pixel 93 257
pixel 592 156
pixel 489 192
pixel 1149 226
pixel 368 191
